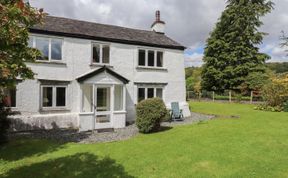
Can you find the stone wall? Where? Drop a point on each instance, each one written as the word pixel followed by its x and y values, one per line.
pixel 44 122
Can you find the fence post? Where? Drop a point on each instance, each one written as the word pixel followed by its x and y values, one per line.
pixel 230 96
pixel 213 95
pixel 199 96
pixel 251 97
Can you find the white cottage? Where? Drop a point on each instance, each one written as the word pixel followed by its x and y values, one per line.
pixel 92 75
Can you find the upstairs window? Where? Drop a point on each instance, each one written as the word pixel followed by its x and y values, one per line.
pixel 100 53
pixel 150 58
pixel 159 59
pixel 56 49
pixel 141 57
pixel 50 48
pixel 96 53
pixel 42 44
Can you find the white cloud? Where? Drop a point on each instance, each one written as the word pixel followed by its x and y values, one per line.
pixel 277 53
pixel 194 59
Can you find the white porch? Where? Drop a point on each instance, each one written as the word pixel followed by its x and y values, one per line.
pixel 103 100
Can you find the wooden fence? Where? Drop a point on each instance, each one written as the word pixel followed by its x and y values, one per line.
pixel 229 96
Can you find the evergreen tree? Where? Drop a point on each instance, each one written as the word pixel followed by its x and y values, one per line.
pixel 231 53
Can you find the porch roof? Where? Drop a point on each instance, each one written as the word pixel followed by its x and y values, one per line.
pixel 101 70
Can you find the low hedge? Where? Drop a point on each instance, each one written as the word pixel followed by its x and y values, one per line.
pixel 150 113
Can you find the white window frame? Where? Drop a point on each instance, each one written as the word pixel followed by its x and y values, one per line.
pixel 146 91
pixel 146 58
pixel 34 37
pixel 101 53
pixel 54 97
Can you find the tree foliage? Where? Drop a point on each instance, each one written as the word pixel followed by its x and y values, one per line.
pixel 193 79
pixel 16 17
pixel 231 54
pixel 278 67
pixel 275 93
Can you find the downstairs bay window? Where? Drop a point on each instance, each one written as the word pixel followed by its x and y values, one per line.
pixel 149 92
pixel 53 96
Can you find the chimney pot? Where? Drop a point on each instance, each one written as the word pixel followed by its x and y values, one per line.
pixel 159 25
pixel 157 16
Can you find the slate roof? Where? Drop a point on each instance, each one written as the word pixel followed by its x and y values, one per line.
pixel 95 31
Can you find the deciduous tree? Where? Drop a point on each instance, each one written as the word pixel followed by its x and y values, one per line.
pixel 16 17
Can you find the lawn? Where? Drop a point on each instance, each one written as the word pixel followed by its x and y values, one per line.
pixel 254 145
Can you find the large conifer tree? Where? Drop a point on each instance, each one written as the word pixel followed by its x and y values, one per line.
pixel 232 52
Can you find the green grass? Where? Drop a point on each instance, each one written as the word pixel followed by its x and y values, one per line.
pixel 255 145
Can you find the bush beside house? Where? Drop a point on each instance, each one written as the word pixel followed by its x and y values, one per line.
pixel 150 113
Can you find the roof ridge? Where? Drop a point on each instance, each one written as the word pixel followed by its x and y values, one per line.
pixel 63 26
pixel 118 26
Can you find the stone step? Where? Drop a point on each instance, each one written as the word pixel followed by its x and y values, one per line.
pixel 104 130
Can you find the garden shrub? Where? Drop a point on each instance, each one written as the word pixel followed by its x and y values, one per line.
pixel 265 107
pixel 150 113
pixel 275 94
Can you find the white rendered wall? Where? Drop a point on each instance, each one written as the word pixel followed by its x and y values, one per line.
pixel 123 60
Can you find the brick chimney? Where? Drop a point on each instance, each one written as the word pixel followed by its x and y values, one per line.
pixel 158 26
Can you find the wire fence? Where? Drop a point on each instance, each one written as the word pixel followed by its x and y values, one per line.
pixel 226 96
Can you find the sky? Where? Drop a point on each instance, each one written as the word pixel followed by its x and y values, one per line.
pixel 187 21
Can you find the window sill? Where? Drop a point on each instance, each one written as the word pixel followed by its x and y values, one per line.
pixel 151 68
pixel 100 65
pixel 120 112
pixel 86 113
pixel 53 109
pixel 49 62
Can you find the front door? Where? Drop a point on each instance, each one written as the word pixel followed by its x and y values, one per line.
pixel 103 110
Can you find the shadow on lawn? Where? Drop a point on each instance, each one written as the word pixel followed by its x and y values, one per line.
pixel 21 148
pixel 81 165
pixel 165 128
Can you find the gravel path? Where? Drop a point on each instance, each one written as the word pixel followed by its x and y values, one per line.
pixel 64 136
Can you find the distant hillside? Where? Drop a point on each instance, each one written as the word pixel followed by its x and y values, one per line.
pixel 278 67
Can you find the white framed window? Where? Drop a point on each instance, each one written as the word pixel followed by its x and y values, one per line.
pixel 100 53
pixel 10 97
pixel 53 96
pixel 150 58
pixel 51 48
pixel 149 92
